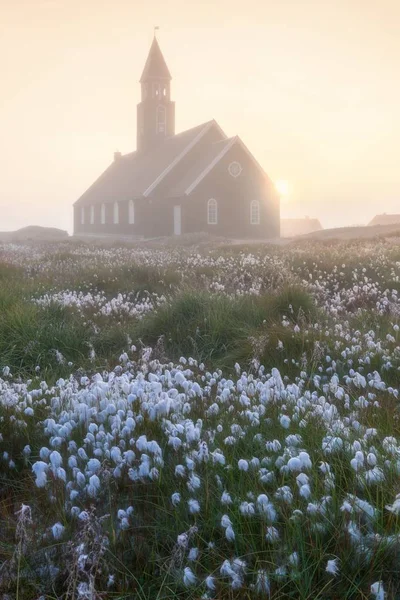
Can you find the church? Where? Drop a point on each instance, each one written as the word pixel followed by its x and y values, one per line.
pixel 195 181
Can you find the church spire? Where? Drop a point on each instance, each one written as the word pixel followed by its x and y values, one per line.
pixel 155 67
pixel 156 111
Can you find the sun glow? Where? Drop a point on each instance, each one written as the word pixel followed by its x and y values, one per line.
pixel 283 187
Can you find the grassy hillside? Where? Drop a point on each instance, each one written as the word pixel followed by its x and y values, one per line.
pixel 200 422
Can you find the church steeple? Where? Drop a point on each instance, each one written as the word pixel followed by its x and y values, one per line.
pixel 155 66
pixel 156 111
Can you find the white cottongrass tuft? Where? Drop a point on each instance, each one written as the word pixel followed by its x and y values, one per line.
pixel 377 590
pixel 332 566
pixel 57 531
pixel 189 578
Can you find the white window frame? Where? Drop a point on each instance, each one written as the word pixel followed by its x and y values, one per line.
pixel 212 212
pixel 254 217
pixel 103 214
pixel 82 215
pixel 116 213
pixel 161 124
pixel 92 215
pixel 131 212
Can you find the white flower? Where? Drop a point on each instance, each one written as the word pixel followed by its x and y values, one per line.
pixel 294 559
pixel 272 535
pixel 225 521
pixel 226 499
pixel 189 578
pixel 93 465
pixel 57 530
pixel 94 486
pixel 39 468
pixel 55 459
pixel 332 566
pixel 294 464
pixel 284 421
pixel 194 482
pixel 243 465
pixel 180 471
pixel 395 507
pixel 194 506
pixel 262 583
pixel 193 554
pixel 377 590
pixel 247 508
pixel 229 534
pixel 210 583
pixel 175 498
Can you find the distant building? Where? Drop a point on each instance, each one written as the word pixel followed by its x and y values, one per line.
pixel 295 227
pixel 196 181
pixel 385 219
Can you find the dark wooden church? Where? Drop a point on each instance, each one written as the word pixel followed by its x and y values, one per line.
pixel 195 181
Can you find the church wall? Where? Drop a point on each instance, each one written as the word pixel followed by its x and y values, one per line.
pixel 109 227
pixel 234 196
pixel 160 215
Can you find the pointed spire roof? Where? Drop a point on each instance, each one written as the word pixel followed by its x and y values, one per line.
pixel 155 67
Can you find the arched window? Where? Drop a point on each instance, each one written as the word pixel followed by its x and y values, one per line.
pixel 103 214
pixel 82 215
pixel 116 213
pixel 92 215
pixel 255 212
pixel 156 89
pixel 131 210
pixel 212 212
pixel 161 119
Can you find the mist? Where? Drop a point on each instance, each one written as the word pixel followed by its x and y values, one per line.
pixel 312 88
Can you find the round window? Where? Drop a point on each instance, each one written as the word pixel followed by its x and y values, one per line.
pixel 235 168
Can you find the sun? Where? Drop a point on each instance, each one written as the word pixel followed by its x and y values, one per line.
pixel 282 187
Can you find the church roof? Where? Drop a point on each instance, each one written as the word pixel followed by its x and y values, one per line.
pixel 385 219
pixel 199 166
pixel 139 173
pixel 155 66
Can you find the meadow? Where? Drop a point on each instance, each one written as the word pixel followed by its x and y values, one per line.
pixel 208 422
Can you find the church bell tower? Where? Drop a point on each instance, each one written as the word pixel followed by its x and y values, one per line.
pixel 156 111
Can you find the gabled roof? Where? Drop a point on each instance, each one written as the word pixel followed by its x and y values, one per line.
pixel 385 219
pixel 155 66
pixel 201 164
pixel 214 160
pixel 139 173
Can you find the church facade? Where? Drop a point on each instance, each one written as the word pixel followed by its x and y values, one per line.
pixel 199 180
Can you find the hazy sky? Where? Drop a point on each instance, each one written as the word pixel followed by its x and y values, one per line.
pixel 311 86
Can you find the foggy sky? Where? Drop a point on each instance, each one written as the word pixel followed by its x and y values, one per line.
pixel 311 86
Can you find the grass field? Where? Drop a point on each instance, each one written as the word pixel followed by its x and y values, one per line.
pixel 200 422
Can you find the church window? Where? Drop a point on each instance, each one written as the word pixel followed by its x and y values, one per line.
pixel 131 216
pixel 161 119
pixel 92 215
pixel 235 168
pixel 164 91
pixel 103 214
pixel 82 215
pixel 212 212
pixel 156 90
pixel 255 212
pixel 116 213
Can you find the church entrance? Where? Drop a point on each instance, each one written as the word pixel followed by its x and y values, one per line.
pixel 177 220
